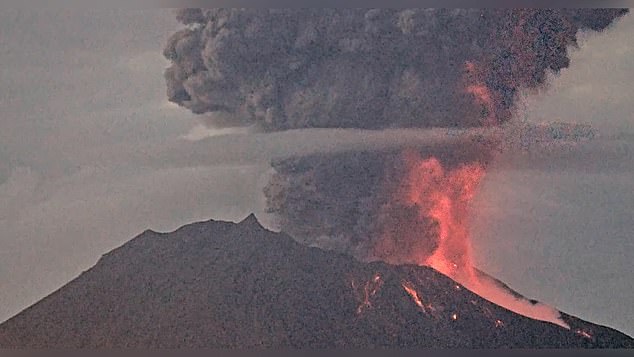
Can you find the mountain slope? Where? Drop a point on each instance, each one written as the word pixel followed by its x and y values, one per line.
pixel 220 284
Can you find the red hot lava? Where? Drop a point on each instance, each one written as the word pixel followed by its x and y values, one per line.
pixel 444 195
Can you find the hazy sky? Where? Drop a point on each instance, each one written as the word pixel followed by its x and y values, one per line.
pixel 91 154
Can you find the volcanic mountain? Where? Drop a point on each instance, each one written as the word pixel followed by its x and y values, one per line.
pixel 224 285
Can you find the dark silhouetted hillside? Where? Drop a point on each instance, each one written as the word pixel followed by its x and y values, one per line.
pixel 219 284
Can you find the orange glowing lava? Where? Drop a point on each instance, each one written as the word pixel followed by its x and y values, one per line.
pixel 444 195
pixel 583 333
pixel 370 288
pixel 413 293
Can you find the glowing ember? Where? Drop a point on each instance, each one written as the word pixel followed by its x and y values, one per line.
pixel 583 333
pixel 454 316
pixel 413 293
pixel 370 288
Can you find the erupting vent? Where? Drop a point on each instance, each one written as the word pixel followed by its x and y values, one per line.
pixel 378 69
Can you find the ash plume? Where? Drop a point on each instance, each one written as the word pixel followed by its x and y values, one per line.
pixel 368 68
pixel 347 201
pixel 377 69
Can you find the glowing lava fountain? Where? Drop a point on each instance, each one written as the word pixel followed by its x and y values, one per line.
pixel 444 195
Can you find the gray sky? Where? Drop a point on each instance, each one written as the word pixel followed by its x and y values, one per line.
pixel 91 154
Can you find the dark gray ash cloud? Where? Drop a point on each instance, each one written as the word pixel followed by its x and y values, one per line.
pixel 346 201
pixel 368 68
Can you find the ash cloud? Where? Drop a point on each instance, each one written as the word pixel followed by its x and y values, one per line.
pixel 347 201
pixel 372 69
pixel 368 68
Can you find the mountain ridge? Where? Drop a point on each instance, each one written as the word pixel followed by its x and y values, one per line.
pixel 224 285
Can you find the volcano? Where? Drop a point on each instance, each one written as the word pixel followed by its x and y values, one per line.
pixel 219 284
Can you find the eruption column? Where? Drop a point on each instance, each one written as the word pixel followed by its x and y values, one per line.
pixel 444 195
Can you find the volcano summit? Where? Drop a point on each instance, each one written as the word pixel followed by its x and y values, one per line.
pixel 225 285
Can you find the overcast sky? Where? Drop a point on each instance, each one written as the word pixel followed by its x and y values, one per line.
pixel 91 154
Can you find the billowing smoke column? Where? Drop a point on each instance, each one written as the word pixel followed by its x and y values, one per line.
pixel 368 68
pixel 368 204
pixel 375 69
